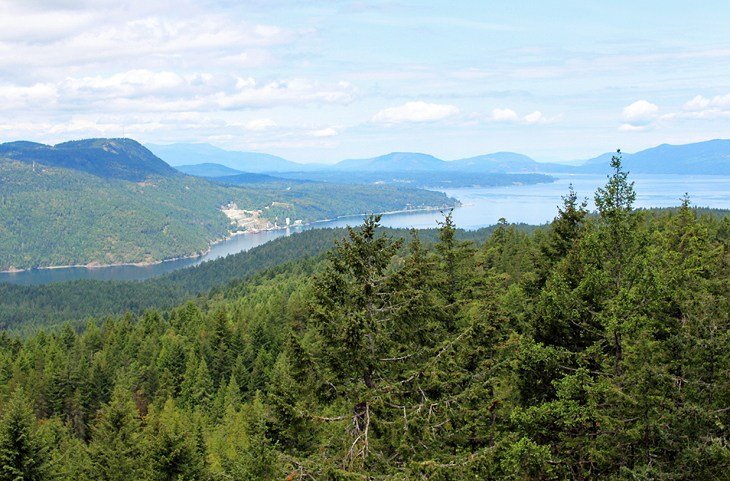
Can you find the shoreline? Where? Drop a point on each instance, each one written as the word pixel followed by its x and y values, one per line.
pixel 92 266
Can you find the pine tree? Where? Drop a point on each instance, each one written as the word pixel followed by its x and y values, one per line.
pixel 352 304
pixel 171 361
pixel 116 442
pixel 259 460
pixel 290 428
pixel 170 447
pixel 220 339
pixel 232 398
pixel 451 274
pixel 617 221
pixel 566 228
pixel 23 457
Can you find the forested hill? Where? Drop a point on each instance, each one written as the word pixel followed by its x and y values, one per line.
pixel 108 158
pixel 596 348
pixel 93 212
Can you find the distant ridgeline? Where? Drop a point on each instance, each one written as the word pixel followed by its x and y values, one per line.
pixel 595 347
pixel 108 201
pixel 702 158
pixel 500 168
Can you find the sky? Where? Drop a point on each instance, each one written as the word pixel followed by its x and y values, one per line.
pixel 320 81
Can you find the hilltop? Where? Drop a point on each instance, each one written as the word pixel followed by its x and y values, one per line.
pixel 123 159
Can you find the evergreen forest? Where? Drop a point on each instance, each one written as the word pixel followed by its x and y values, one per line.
pixel 596 347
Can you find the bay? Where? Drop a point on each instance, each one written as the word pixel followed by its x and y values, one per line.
pixel 481 207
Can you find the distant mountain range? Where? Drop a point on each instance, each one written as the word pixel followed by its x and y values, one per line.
pixel 208 170
pixel 496 163
pixel 185 155
pixel 710 157
pixel 393 162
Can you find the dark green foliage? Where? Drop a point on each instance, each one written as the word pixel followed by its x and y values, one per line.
pixel 22 454
pixel 533 355
pixel 27 307
pixel 170 445
pixel 116 449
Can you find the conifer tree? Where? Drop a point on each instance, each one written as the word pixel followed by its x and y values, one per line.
pixel 23 457
pixel 170 446
pixel 116 442
pixel 352 304
pixel 566 228
pixel 451 274
pixel 618 220
pixel 220 340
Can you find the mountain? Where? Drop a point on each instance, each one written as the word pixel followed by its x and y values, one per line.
pixel 711 157
pixel 109 158
pixel 498 162
pixel 191 154
pixel 394 162
pixel 110 201
pixel 207 170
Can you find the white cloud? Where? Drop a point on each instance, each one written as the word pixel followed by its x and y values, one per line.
pixel 508 115
pixel 535 117
pixel 328 132
pixel 639 116
pixel 641 110
pixel 504 115
pixel 259 125
pixel 416 112
pixel 701 108
pixel 14 97
pixel 131 83
pixel 632 128
pixel 697 103
pixel 703 103
pixel 294 91
pixel 143 90
pixel 43 40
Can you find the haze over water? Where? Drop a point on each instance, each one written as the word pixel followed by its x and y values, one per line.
pixel 481 207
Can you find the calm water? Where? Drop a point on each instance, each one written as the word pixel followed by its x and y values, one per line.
pixel 532 204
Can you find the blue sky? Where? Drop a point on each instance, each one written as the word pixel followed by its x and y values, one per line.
pixel 326 80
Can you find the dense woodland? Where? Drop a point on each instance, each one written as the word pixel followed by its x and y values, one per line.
pixel 24 309
pixel 595 348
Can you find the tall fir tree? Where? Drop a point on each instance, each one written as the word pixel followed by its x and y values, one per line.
pixel 23 457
